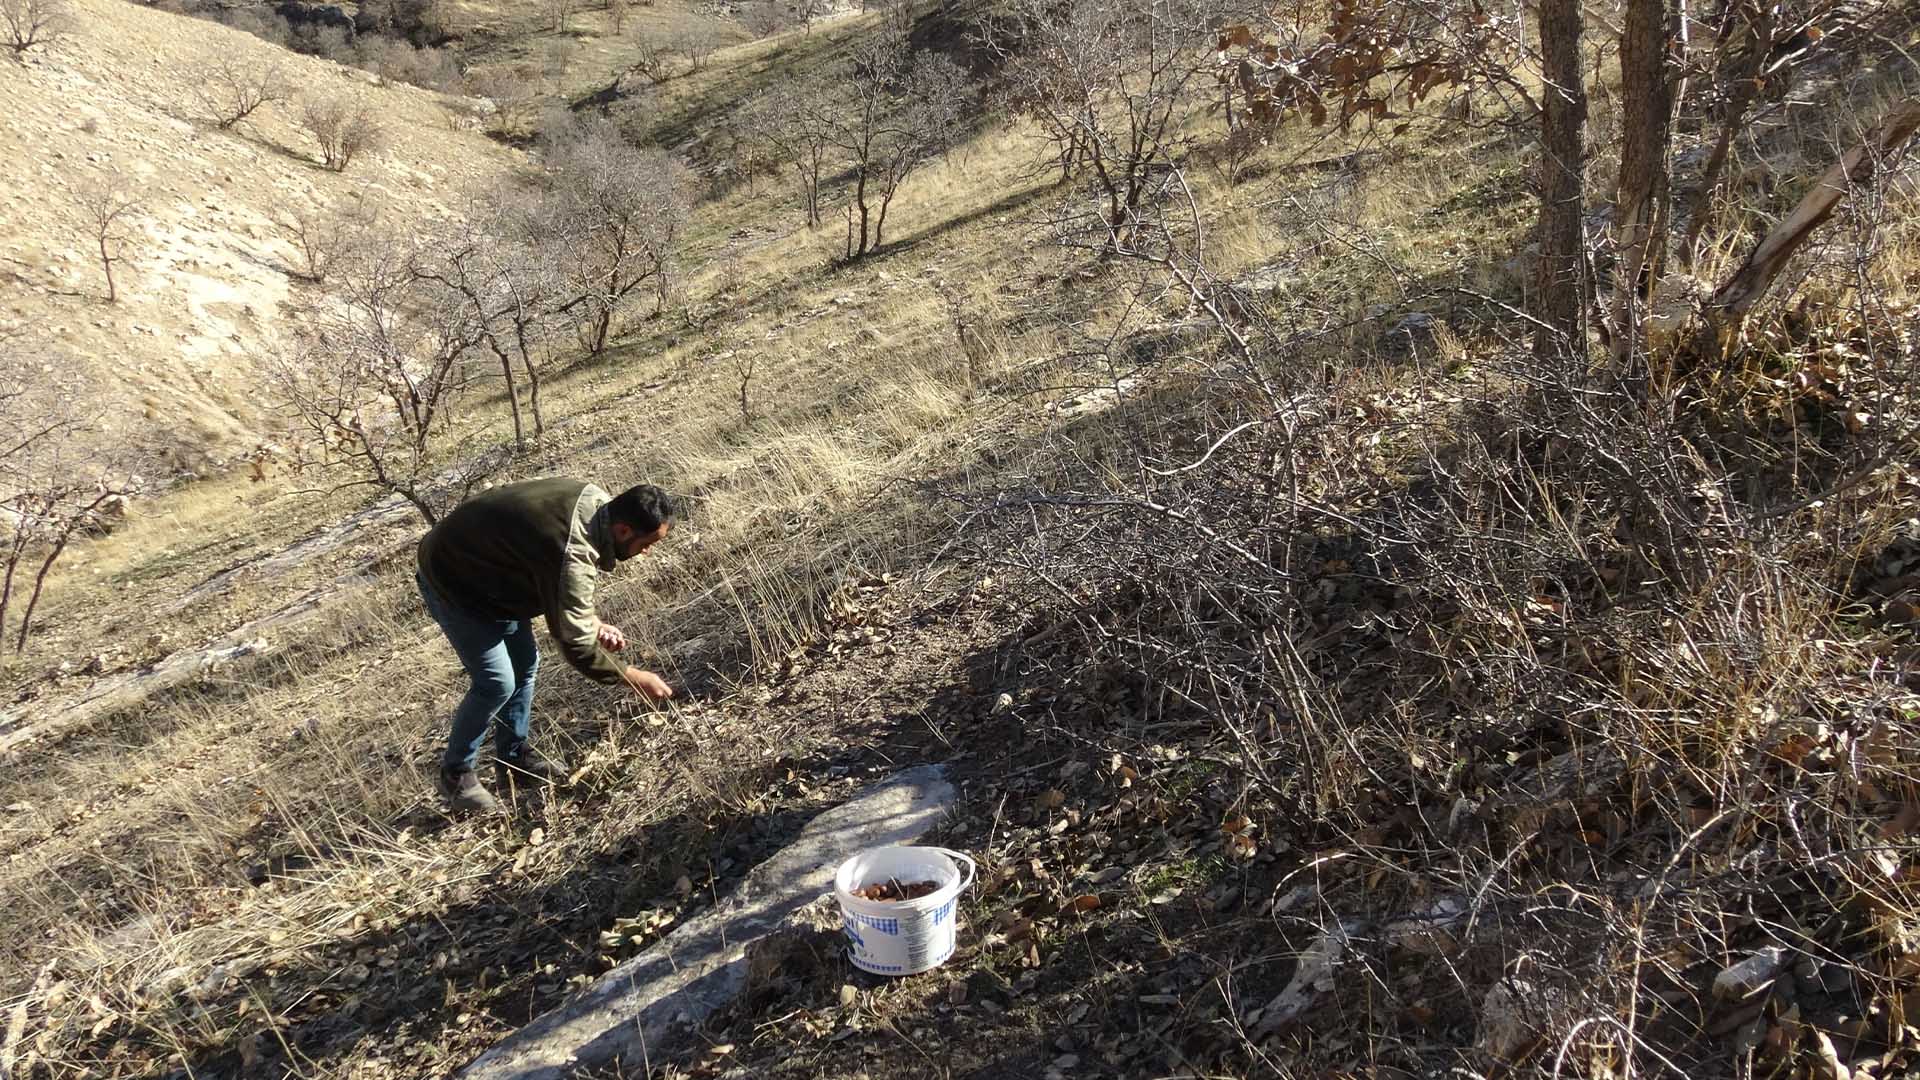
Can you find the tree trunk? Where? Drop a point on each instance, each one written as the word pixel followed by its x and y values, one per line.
pixel 602 328
pixel 13 564
pixel 1642 202
pixel 533 377
pixel 106 265
pixel 513 391
pixel 39 583
pixel 1563 119
pixel 860 200
pixel 1732 301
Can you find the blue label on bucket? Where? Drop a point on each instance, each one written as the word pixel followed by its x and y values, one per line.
pixel 944 912
pixel 888 926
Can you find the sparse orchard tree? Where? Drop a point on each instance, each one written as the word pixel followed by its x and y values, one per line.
pixel 764 18
pixel 27 23
pixel 232 88
pixel 556 56
pixel 1111 84
pixel 342 129
pixel 500 265
pixel 107 204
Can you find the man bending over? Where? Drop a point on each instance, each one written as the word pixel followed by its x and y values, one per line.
pixel 495 562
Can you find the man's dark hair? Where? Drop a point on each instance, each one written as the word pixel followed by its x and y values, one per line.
pixel 643 508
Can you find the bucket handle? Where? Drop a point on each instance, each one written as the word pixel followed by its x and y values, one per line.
pixel 964 860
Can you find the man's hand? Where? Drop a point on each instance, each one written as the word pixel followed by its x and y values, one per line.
pixel 648 685
pixel 611 639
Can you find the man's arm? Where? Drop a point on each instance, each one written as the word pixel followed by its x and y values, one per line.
pixel 576 628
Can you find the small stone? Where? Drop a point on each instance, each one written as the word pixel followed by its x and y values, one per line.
pixel 1743 979
pixel 1003 704
pixel 848 995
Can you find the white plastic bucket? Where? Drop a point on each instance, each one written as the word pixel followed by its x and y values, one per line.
pixel 902 937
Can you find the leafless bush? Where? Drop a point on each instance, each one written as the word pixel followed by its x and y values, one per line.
pixel 317 39
pixel 27 23
pixel 697 45
pixel 325 238
pixel 397 61
pixel 232 88
pixel 342 129
pixel 264 25
pixel 556 56
pixel 652 59
pixel 766 17
pixel 512 89
pixel 107 204
pixel 557 13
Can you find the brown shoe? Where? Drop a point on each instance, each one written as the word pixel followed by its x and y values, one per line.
pixel 464 793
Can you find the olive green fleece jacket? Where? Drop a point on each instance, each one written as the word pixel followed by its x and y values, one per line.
pixel 526 549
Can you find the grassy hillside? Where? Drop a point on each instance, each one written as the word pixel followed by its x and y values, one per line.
pixel 1383 700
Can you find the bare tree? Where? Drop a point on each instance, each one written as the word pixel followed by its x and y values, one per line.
pixel 60 476
pixel 1111 83
pixel 906 109
pixel 107 203
pixel 27 23
pixel 614 213
pixel 1731 302
pixel 233 88
pixel 342 129
pixel 558 12
pixel 376 376
pixel 793 122
pixel 557 55
pixel 617 16
pixel 1642 198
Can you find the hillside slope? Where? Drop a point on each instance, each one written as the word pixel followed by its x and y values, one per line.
pixel 207 253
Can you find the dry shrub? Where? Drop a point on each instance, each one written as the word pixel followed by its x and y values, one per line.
pixel 1619 680
pixel 231 89
pixel 342 129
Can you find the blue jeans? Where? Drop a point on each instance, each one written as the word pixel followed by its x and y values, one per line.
pixel 501 658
